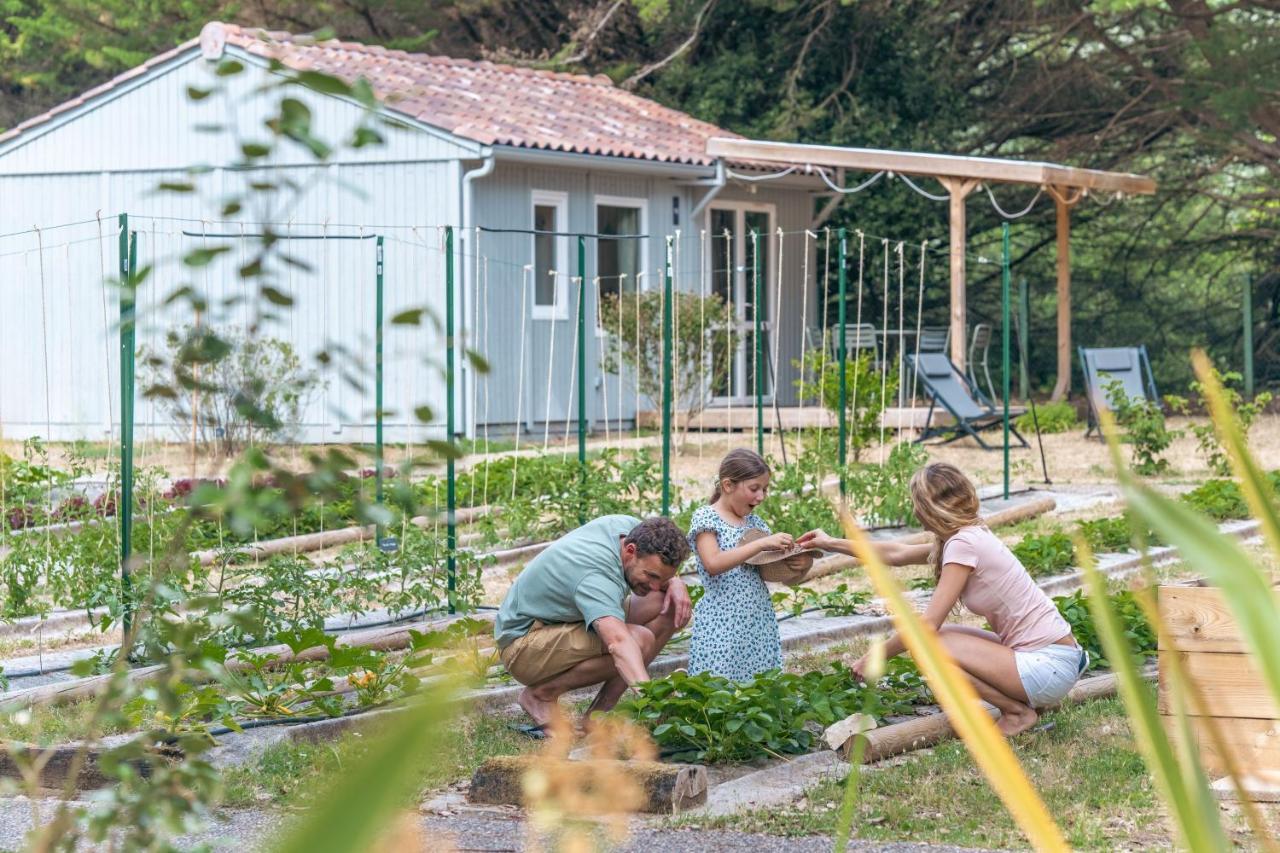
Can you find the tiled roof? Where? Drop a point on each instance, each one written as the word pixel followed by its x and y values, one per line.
pixel 485 102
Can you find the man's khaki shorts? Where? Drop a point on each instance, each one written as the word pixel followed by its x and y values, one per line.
pixel 548 650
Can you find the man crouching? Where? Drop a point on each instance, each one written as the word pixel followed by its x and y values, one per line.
pixel 596 606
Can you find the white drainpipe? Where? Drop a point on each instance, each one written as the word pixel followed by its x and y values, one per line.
pixel 469 287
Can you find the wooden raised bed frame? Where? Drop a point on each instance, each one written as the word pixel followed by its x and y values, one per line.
pixel 1203 631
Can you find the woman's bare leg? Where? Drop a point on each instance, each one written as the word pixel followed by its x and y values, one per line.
pixel 994 673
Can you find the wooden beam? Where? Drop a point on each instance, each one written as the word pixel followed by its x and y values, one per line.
pixel 1230 683
pixel 1198 619
pixel 958 190
pixel 930 165
pixel 1063 204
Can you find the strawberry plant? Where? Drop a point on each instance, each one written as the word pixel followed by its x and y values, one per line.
pixel 1050 554
pixel 1221 500
pixel 840 601
pixel 705 718
pixel 1139 632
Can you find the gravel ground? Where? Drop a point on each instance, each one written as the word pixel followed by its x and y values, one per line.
pixel 248 829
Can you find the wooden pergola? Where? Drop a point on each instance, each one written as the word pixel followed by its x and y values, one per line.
pixel 960 176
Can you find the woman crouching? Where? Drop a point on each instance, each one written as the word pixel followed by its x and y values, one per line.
pixel 1029 659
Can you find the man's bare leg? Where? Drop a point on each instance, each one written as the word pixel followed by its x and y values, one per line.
pixel 539 700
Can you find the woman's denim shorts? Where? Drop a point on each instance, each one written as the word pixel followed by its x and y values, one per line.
pixel 1048 674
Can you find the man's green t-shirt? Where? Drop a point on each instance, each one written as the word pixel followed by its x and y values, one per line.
pixel 579 578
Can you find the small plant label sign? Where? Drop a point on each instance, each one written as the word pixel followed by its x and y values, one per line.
pixel 388 544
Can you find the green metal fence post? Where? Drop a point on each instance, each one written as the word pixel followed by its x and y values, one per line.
pixel 128 248
pixel 1248 336
pixel 1004 347
pixel 758 343
pixel 582 379
pixel 451 489
pixel 377 380
pixel 1024 335
pixel 667 327
pixel 843 356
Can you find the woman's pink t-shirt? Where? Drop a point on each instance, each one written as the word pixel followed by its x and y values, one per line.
pixel 1001 591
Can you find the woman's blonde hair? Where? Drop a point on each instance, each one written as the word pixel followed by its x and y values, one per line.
pixel 944 501
pixel 738 465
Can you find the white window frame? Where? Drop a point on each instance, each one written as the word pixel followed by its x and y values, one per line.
pixel 560 201
pixel 623 201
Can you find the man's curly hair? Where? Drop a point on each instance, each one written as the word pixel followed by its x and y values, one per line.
pixel 660 536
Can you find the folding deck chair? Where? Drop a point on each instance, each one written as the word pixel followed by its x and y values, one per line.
pixel 1129 365
pixel 949 388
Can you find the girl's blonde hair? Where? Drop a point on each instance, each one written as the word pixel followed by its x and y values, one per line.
pixel 944 501
pixel 737 466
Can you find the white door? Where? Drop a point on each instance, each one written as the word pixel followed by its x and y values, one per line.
pixel 735 257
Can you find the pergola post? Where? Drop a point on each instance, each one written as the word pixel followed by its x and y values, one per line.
pixel 1063 206
pixel 959 190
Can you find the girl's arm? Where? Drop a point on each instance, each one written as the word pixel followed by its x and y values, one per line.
pixel 716 561
pixel 945 596
pixel 891 553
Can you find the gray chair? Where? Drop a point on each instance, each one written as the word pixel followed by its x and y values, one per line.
pixel 934 339
pixel 860 338
pixel 1129 365
pixel 979 348
pixel 949 388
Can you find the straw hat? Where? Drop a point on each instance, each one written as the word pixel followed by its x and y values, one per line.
pixel 780 566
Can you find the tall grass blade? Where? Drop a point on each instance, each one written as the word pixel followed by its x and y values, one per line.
pixel 361 806
pixel 963 708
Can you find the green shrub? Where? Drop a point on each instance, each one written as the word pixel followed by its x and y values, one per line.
pixel 820 382
pixel 1052 417
pixel 1206 434
pixel 881 494
pixel 1050 554
pixel 1144 426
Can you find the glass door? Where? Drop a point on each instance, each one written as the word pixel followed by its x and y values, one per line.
pixel 733 263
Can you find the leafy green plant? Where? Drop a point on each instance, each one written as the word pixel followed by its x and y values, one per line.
pixel 840 601
pixel 1054 417
pixel 865 398
pixel 1138 631
pixel 1049 554
pixel 881 493
pixel 1221 500
pixel 1246 413
pixel 1106 535
pixel 705 718
pixel 1144 426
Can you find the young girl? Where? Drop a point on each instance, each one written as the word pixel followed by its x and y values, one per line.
pixel 1029 659
pixel 735 634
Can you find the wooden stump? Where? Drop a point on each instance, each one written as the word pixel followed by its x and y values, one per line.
pixel 664 788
